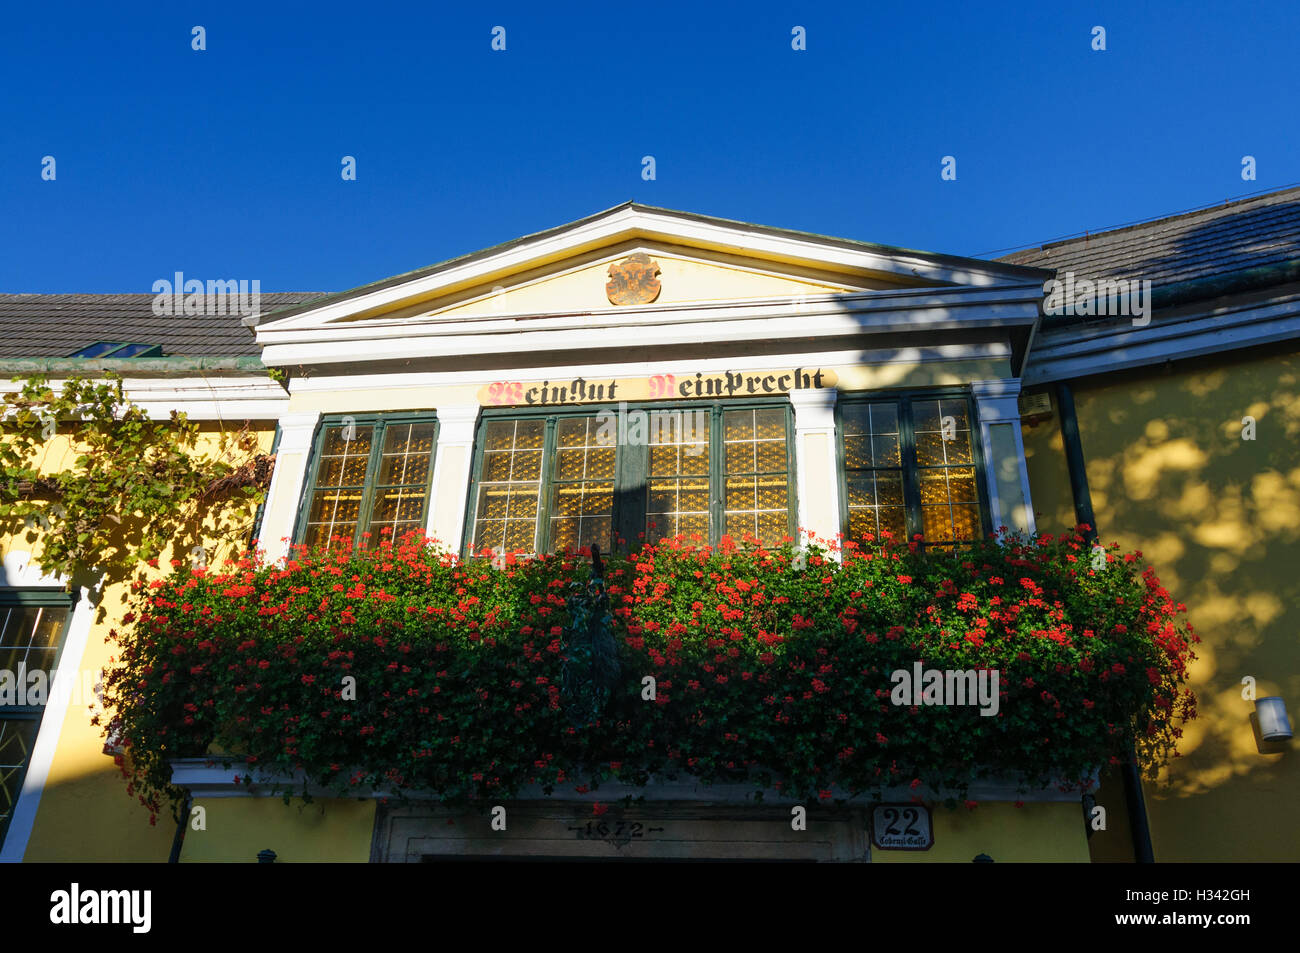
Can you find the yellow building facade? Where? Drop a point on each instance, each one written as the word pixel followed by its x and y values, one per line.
pixel 462 399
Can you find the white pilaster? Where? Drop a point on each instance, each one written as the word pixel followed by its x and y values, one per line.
pixel 814 441
pixel 451 472
pixel 1005 473
pixel 287 482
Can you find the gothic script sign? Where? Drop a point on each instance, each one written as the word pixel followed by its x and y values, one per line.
pixel 691 386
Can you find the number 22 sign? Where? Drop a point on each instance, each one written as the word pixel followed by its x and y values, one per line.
pixel 901 827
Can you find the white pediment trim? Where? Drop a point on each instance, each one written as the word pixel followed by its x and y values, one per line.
pixel 913 310
pixel 631 223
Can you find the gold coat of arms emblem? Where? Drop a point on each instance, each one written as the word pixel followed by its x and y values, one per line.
pixel 633 280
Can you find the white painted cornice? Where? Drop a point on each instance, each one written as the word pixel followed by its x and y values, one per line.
pixel 911 311
pixel 1065 353
pixel 229 398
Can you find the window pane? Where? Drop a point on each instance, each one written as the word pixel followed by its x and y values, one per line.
pixel 335 508
pixel 937 524
pixel 600 463
pixel 521 535
pixel 582 486
pixel 757 496
pixel 889 487
pixel 934 486
pixel 769 456
pixel 966 522
pixel 740 456
pixel 738 425
pixel 856 419
pixel 133 350
pixel 885 450
pixel 570 464
pixel 496 465
pixel 677 501
pixel 873 471
pixel 862 489
pixel 333 513
pixel 348 440
pixel 510 485
pixel 958 448
pixel 398 506
pixel 925 416
pixel 961 485
pixel 857 451
pixel 740 494
pixel 664 460
pixel 397 510
pixel 526 465
pixel 871 523
pixel 571 432
pixel 30 636
pixel 408 450
pixel 97 350
pixel 949 491
pixel 769 423
pixel 695 458
pixel 529 434
pixel 17 738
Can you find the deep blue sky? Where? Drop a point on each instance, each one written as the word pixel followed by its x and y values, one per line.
pixel 225 163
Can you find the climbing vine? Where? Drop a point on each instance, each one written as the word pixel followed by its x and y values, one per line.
pixel 97 485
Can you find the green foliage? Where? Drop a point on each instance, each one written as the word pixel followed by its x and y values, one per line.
pixel 771 671
pixel 121 488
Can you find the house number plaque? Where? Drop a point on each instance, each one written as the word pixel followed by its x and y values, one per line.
pixel 901 827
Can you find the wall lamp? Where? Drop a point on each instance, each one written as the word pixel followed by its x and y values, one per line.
pixel 1273 722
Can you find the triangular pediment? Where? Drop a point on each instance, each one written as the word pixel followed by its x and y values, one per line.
pixel 701 260
pixel 629 266
pixel 683 276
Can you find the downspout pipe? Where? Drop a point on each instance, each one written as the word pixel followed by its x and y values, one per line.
pixel 1083 512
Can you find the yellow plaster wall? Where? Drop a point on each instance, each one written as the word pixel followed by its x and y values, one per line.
pixel 330 830
pixel 1052 832
pixel 85 813
pixel 360 400
pixel 685 276
pixel 1049 477
pixel 1219 518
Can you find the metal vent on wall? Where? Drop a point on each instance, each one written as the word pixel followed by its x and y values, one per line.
pixel 1035 405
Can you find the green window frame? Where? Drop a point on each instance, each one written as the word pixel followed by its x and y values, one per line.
pixel 368 472
pixel 896 469
pixel 530 487
pixel 33 629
